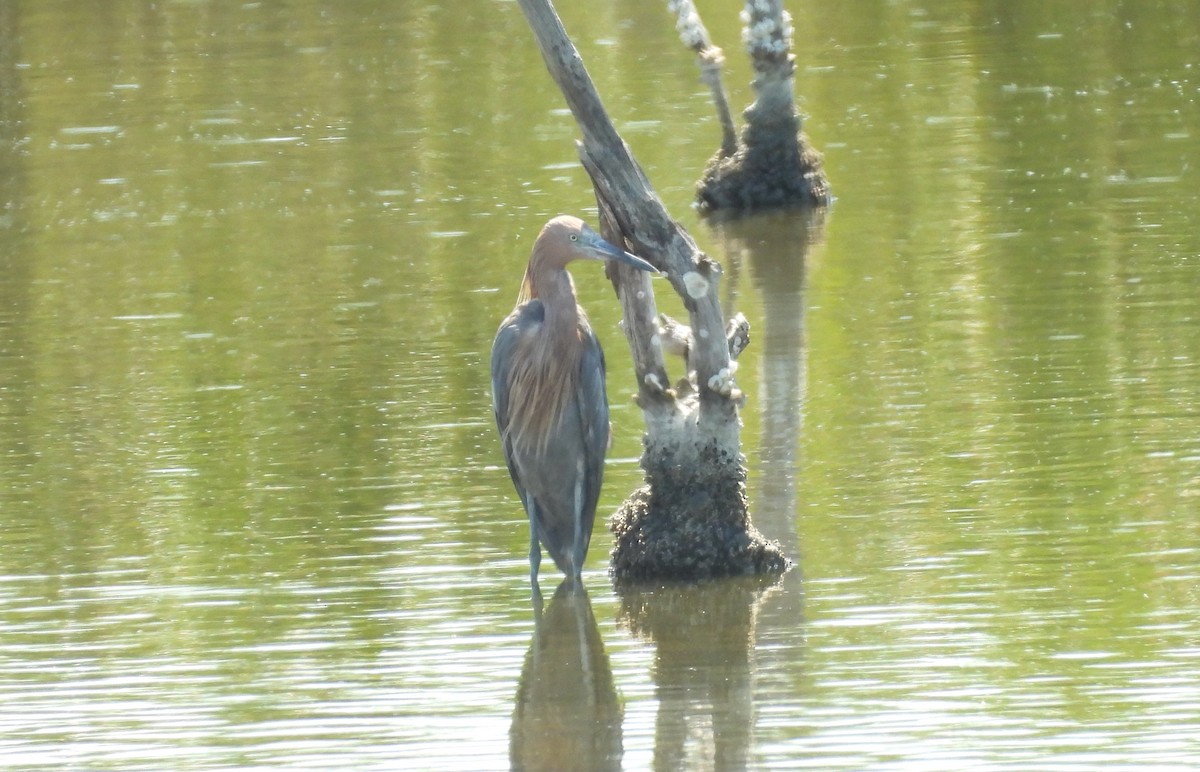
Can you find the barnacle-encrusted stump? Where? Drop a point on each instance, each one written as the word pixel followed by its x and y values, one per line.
pixel 774 165
pixel 690 520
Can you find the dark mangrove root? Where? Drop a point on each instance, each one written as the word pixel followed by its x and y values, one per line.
pixel 774 166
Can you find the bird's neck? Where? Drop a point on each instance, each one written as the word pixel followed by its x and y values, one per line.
pixel 544 380
pixel 553 286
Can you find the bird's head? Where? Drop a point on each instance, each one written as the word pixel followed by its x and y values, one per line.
pixel 567 238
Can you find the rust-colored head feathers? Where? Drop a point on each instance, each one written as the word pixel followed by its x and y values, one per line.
pixel 563 239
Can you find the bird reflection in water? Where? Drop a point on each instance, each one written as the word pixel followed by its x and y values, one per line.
pixel 567 714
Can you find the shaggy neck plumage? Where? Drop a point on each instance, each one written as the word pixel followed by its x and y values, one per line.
pixel 545 382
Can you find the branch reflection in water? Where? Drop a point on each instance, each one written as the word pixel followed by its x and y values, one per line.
pixel 704 636
pixel 775 248
pixel 707 667
pixel 567 714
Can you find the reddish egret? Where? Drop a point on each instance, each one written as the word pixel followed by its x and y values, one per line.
pixel 549 399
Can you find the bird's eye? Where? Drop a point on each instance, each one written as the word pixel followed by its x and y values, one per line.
pixel 574 237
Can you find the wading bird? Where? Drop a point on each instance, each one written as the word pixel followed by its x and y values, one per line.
pixel 549 399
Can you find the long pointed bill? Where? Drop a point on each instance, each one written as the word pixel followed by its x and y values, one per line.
pixel 600 249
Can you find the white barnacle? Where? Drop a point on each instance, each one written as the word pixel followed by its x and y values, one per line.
pixel 687 24
pixel 722 382
pixel 691 31
pixel 703 333
pixel 655 340
pixel 696 285
pixel 641 294
pixel 653 382
pixel 766 29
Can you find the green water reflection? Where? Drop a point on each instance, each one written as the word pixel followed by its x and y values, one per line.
pixel 252 510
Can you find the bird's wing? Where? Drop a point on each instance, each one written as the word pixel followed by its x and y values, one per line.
pixel 593 402
pixel 503 349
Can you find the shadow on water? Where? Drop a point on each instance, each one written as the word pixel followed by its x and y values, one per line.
pixel 774 248
pixel 567 714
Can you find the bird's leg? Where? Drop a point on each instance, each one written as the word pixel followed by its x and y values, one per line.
pixel 577 547
pixel 535 560
pixel 538 606
pixel 535 550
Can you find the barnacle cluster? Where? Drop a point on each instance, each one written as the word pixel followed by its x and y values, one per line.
pixel 687 23
pixel 768 28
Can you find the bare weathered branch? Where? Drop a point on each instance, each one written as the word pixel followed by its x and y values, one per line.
pixel 636 208
pixel 639 311
pixel 709 59
pixel 691 519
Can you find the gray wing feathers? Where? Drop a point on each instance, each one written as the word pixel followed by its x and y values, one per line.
pixel 565 476
pixel 503 348
pixel 595 421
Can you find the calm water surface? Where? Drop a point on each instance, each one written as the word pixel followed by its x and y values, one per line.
pixel 252 509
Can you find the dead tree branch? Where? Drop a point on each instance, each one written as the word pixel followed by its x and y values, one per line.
pixel 772 163
pixel 638 211
pixel 709 59
pixel 691 519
